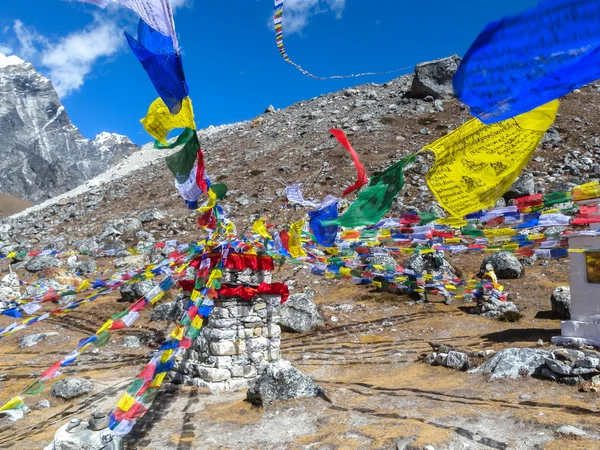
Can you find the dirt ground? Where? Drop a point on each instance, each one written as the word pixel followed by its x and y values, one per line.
pixel 366 357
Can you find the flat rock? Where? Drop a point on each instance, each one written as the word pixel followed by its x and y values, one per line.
pixel 561 302
pixel 514 362
pixel 571 430
pixel 33 339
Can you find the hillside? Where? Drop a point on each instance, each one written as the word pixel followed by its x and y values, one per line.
pixel 379 393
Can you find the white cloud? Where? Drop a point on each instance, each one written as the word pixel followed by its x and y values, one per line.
pixel 296 13
pixel 181 4
pixel 70 59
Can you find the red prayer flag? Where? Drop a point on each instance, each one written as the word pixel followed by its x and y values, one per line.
pixel 361 176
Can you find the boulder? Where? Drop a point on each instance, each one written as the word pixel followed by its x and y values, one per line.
pixel 281 381
pixel 132 342
pixel 561 302
pixel 434 78
pixel 133 292
pixel 39 263
pixel 87 266
pixel 506 265
pixel 89 245
pixel 71 387
pixel 569 430
pixel 300 314
pixel 458 360
pixel 382 260
pixel 524 185
pixel 423 264
pixel 514 362
pixel 171 311
pixel 33 339
pixel 150 215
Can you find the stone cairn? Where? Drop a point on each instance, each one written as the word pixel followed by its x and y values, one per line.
pixel 238 340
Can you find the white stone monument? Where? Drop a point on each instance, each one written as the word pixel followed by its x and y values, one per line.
pixel 584 326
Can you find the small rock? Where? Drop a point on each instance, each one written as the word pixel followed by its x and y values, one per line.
pixel 281 381
pixel 300 314
pixel 558 367
pixel 43 404
pixel 561 302
pixel 39 263
pixel 33 339
pixel 270 109
pixel 151 214
pixel 132 342
pixel 71 387
pixel 570 430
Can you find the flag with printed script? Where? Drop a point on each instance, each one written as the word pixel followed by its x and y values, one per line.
pixel 476 163
pixel 159 120
pixel 529 59
pixel 376 200
pixel 361 178
pixel 162 64
pixel 156 13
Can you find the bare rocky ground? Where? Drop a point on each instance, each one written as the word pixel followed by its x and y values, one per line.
pixel 366 355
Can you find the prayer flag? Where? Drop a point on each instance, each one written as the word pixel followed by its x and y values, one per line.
pixel 476 163
pixel 361 174
pixel 162 64
pixel 156 13
pixel 526 60
pixel 159 120
pixel 376 200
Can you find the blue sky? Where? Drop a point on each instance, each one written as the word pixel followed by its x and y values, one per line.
pixel 230 58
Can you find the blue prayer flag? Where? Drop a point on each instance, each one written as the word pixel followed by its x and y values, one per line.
pixel 526 60
pixel 162 64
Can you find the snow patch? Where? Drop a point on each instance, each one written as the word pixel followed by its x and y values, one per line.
pixel 11 60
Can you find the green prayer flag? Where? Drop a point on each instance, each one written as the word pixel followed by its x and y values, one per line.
pixel 557 197
pixel 192 332
pixel 220 190
pixel 183 138
pixel 427 217
pixel 376 200
pixel 135 387
pixel 149 395
pixel 35 388
pixel 182 162
pixel 102 340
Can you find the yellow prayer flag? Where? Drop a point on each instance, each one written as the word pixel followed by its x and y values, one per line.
pixel 166 355
pixel 452 222
pixel 212 201
pixel 329 275
pixel 197 322
pixel 345 271
pixel 195 295
pixel 178 332
pixel 11 255
pixel 536 237
pixel 84 285
pixel 377 284
pixel 586 191
pixel 157 298
pixel 214 275
pixel 13 403
pixel 499 232
pixel 105 327
pixel 159 120
pixel 476 163
pixel 259 228
pixel 125 402
pixel 294 244
pixel 452 241
pixel 376 266
pixel 158 380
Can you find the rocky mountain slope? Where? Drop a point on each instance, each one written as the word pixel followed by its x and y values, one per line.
pixel 257 158
pixel 44 154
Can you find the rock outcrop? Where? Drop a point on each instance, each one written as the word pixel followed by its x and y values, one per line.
pixel 43 153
